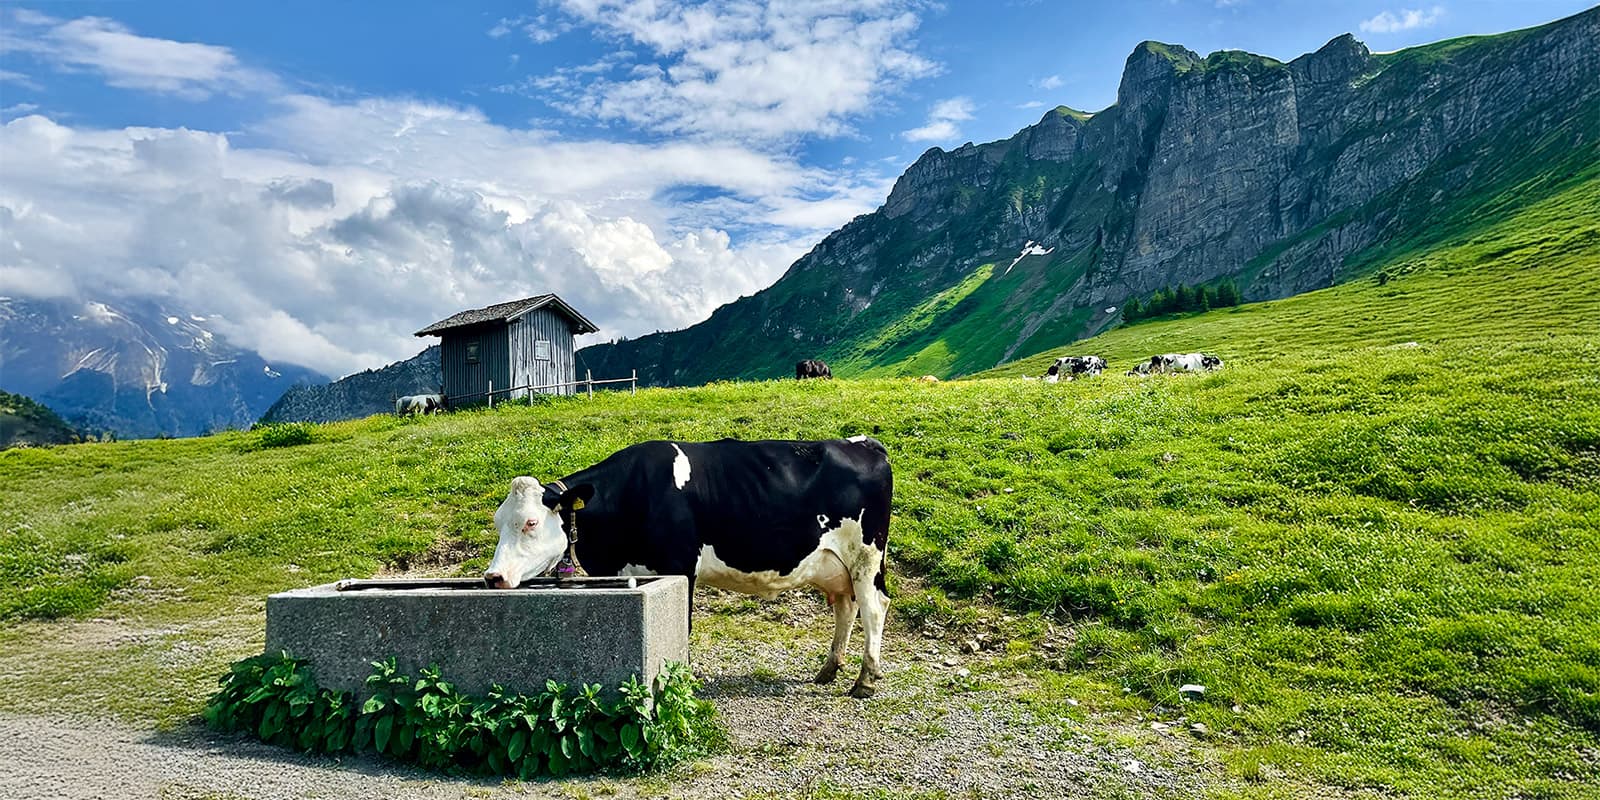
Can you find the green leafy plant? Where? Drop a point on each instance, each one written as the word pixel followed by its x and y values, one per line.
pixel 433 724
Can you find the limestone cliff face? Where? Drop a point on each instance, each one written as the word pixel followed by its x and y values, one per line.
pixel 1281 176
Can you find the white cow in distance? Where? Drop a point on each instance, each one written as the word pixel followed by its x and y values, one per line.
pixel 419 404
pixel 1177 362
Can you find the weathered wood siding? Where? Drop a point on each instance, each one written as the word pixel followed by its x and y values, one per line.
pixel 468 384
pixel 526 369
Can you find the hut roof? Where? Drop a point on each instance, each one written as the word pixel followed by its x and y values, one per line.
pixel 504 312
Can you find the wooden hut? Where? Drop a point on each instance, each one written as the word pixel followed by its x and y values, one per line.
pixel 512 347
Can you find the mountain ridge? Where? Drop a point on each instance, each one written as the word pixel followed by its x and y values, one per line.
pixel 26 423
pixel 135 367
pixel 1284 176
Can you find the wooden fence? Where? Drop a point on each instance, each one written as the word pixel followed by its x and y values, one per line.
pixel 587 384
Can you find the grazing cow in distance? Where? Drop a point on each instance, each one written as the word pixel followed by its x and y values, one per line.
pixel 1151 366
pixel 1074 367
pixel 929 379
pixel 1177 362
pixel 1190 362
pixel 811 368
pixel 419 404
pixel 754 517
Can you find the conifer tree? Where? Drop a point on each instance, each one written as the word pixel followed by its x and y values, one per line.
pixel 1184 299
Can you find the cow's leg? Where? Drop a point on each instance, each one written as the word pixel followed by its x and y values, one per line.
pixel 844 618
pixel 874 609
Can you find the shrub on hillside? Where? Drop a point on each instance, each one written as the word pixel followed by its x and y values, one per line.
pixel 287 434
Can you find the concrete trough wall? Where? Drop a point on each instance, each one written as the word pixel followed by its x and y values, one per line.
pixel 595 630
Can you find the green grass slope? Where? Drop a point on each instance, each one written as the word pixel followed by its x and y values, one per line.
pixel 1378 557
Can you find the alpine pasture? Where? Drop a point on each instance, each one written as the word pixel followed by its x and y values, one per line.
pixel 1373 537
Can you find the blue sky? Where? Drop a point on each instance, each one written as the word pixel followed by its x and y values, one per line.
pixel 324 178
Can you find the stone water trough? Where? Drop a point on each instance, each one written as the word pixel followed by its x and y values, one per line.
pixel 584 630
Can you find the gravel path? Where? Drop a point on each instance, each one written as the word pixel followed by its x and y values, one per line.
pixel 924 735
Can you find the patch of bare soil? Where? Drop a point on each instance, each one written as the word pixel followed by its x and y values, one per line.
pixel 443 557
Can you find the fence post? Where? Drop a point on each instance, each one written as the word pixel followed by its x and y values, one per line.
pixel 588 379
pixel 633 388
pixel 491 392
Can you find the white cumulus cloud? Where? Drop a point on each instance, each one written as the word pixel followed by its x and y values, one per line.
pixel 127 60
pixel 539 29
pixel 943 121
pixel 1402 20
pixel 756 70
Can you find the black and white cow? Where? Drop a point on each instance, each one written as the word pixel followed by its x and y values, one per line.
pixel 1188 362
pixel 754 517
pixel 811 368
pixel 419 404
pixel 1177 362
pixel 1074 367
pixel 1149 366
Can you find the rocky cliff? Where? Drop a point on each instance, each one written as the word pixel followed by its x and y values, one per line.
pixel 360 395
pixel 1284 177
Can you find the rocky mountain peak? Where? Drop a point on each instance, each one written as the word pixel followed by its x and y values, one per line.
pixel 1341 59
pixel 1150 71
pixel 1056 135
pixel 936 171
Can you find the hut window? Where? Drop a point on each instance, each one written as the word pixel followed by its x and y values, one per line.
pixel 472 352
pixel 541 350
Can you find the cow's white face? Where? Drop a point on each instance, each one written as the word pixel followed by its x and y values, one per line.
pixel 531 536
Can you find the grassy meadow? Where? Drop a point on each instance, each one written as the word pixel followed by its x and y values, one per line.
pixel 1374 536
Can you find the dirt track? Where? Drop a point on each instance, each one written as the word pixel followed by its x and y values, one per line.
pixel 921 736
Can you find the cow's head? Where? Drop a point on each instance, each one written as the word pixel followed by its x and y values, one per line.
pixel 1210 362
pixel 532 537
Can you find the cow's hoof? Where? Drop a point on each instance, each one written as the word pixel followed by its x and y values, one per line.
pixel 863 690
pixel 827 674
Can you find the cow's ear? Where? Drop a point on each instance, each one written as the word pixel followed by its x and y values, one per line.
pixel 576 497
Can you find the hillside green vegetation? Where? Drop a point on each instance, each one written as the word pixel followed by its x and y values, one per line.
pixel 24 421
pixel 1374 533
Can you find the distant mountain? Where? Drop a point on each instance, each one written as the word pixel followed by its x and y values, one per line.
pixel 360 395
pixel 135 368
pixel 1281 177
pixel 24 422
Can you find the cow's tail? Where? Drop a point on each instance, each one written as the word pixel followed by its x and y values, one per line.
pixel 878 517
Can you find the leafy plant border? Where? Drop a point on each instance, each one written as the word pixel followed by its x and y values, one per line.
pixel 430 723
